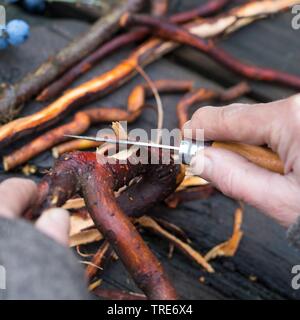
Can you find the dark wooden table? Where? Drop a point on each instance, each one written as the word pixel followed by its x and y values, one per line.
pixel 263 252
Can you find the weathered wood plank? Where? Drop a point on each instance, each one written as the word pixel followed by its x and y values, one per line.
pixel 263 253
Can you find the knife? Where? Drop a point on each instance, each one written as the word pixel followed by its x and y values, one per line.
pixel 187 149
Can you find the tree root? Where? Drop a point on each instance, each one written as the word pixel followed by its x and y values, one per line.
pixel 12 97
pixel 173 32
pixel 84 119
pixel 145 54
pixel 80 172
pixel 204 95
pixel 58 86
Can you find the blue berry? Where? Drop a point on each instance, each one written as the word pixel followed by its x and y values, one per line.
pixel 18 32
pixel 35 6
pixel 3 43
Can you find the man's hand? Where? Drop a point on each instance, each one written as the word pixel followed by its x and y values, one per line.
pixel 16 195
pixel 276 124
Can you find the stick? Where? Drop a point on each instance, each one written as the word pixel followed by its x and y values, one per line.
pixel 84 119
pixel 12 97
pixel 145 54
pixel 55 88
pixel 58 86
pixel 173 32
pixel 204 10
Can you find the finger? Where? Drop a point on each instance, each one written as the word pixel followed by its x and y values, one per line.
pixel 55 223
pixel 238 178
pixel 254 124
pixel 16 195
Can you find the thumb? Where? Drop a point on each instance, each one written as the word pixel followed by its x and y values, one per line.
pixel 240 179
pixel 55 223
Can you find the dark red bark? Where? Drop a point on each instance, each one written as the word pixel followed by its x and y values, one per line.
pixel 80 172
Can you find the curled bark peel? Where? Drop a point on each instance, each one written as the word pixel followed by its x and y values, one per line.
pixel 150 223
pixel 12 97
pixel 204 95
pixel 145 54
pixel 84 119
pixel 170 31
pixel 229 247
pixel 81 172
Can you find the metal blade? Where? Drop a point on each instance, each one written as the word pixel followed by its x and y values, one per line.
pixel 126 142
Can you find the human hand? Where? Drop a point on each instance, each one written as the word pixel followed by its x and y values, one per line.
pixel 16 195
pixel 276 124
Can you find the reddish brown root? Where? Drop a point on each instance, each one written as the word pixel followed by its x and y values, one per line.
pixel 97 181
pixel 204 95
pixel 209 8
pixel 84 119
pixel 145 54
pixel 176 33
pixel 190 194
pixel 159 8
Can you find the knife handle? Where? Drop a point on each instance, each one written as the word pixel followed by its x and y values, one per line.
pixel 261 156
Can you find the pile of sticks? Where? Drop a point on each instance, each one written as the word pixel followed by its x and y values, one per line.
pixel 117 214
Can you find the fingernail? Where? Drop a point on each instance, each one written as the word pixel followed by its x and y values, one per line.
pixel 56 215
